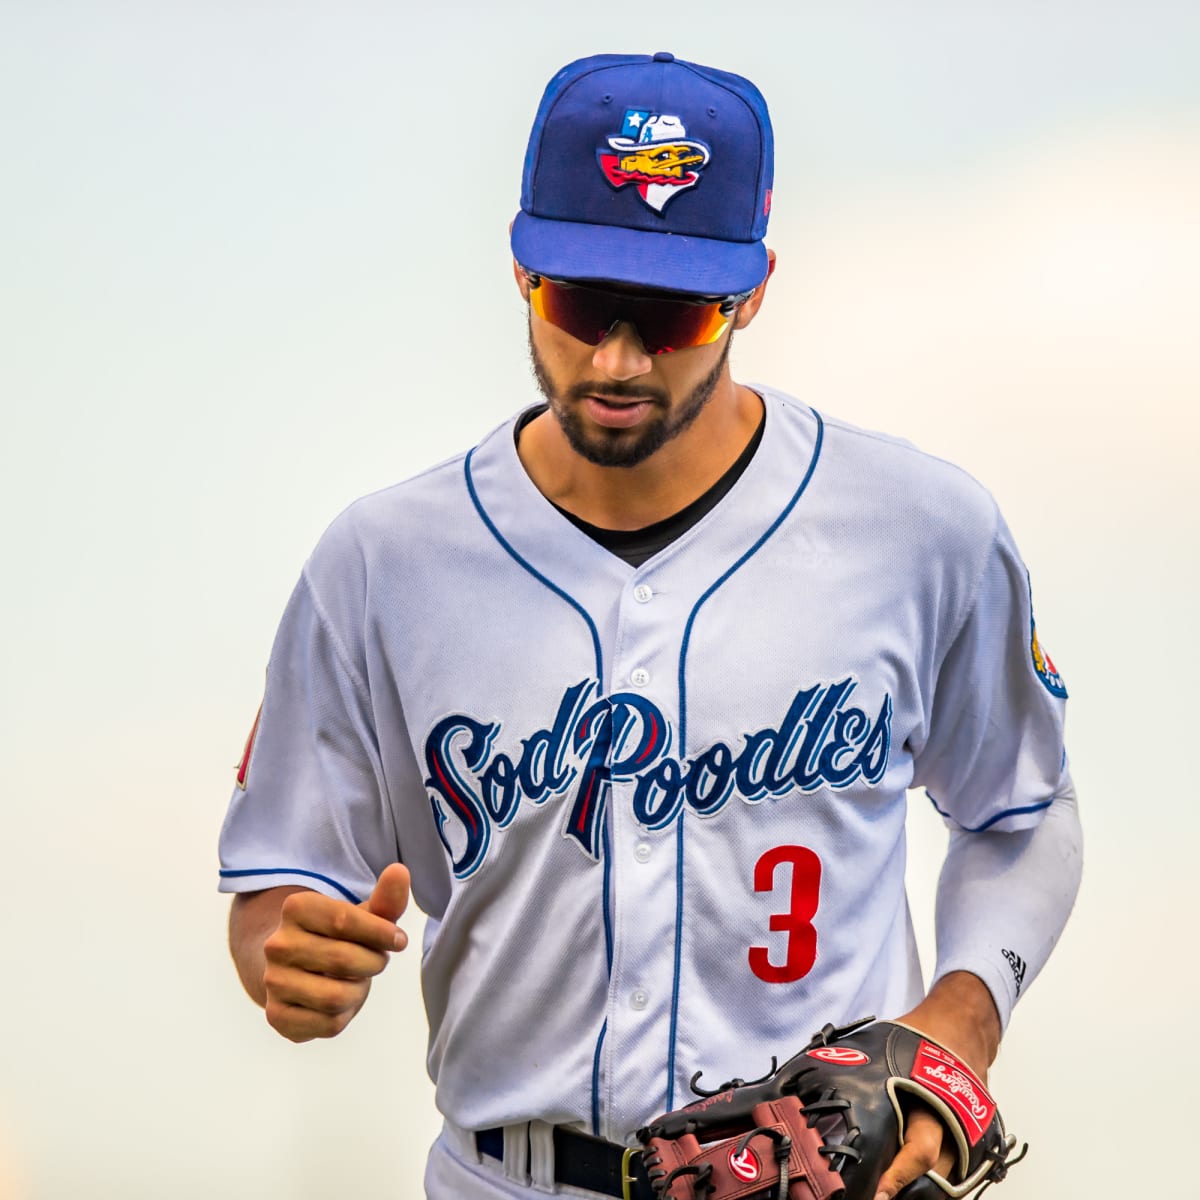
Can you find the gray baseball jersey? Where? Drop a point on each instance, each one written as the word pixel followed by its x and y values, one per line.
pixel 656 815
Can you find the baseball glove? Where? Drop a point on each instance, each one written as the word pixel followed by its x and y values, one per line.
pixel 826 1125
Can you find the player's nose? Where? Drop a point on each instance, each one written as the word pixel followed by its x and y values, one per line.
pixel 621 355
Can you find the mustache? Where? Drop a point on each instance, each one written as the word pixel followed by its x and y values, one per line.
pixel 616 390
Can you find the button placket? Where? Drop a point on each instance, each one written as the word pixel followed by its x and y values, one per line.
pixel 637 1017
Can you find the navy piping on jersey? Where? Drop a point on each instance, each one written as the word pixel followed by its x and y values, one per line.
pixel 687 636
pixel 608 958
pixel 293 871
pixel 533 570
pixel 596 1080
pixel 491 528
pixel 1008 812
pixel 608 935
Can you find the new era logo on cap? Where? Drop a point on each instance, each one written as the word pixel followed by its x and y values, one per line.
pixel 650 171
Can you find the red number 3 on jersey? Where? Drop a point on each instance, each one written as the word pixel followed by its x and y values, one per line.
pixel 805 890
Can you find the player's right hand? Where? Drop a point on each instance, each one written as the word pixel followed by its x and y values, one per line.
pixel 321 959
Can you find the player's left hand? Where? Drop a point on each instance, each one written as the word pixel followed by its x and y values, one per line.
pixel 960 1014
pixel 829 1120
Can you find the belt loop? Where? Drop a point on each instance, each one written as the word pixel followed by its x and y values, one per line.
pixel 516 1153
pixel 541 1157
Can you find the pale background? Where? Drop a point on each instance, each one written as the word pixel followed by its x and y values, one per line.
pixel 254 264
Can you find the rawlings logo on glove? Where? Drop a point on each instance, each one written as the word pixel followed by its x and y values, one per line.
pixel 827 1123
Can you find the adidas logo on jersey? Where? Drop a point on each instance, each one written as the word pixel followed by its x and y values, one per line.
pixel 1018 967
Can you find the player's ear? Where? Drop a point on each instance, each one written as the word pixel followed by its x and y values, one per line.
pixel 522 279
pixel 518 274
pixel 747 312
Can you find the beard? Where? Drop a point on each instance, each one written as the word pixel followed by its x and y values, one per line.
pixel 623 447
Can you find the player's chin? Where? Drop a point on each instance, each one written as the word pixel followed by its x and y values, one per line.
pixel 607 445
pixel 619 448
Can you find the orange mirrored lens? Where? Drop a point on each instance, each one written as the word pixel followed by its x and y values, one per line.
pixel 590 313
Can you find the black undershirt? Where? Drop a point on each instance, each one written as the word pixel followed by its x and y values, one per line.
pixel 635 546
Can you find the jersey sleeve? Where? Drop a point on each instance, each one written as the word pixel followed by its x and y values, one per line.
pixel 994 755
pixel 311 806
pixel 1004 899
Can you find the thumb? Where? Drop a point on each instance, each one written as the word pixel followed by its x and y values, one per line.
pixel 390 897
pixel 921 1151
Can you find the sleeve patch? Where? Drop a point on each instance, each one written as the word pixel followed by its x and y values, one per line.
pixel 1044 666
pixel 243 769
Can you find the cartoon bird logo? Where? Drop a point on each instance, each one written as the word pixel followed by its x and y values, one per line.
pixel 654 153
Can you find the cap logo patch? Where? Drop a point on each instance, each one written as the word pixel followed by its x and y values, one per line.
pixel 655 155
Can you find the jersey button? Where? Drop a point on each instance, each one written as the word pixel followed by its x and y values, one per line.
pixel 638 999
pixel 642 852
pixel 643 593
pixel 639 677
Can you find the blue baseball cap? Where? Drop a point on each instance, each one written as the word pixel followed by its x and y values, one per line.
pixel 648 171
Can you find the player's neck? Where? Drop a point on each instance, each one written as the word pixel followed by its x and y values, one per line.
pixel 667 482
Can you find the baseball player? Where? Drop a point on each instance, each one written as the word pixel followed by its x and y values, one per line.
pixel 631 692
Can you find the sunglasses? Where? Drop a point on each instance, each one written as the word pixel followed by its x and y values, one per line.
pixel 665 321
